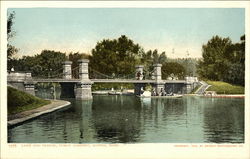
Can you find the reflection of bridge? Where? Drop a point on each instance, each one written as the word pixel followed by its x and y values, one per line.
pixel 81 88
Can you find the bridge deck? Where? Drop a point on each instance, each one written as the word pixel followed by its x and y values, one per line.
pixel 106 81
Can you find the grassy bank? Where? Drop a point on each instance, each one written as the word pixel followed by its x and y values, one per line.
pixel 19 101
pixel 225 88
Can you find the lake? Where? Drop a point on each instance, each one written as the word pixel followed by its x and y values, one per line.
pixel 129 119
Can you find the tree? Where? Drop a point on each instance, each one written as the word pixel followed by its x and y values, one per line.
pixel 46 64
pixel 236 62
pixel 190 65
pixel 11 50
pixel 174 68
pixel 214 63
pixel 150 58
pixel 117 56
pixel 223 60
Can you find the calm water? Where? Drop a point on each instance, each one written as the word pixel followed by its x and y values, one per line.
pixel 127 119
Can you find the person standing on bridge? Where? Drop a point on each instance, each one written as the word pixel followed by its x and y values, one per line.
pixel 138 75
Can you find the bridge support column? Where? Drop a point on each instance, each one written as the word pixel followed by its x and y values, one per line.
pixel 67 90
pixel 29 87
pixel 67 70
pixel 191 83
pixel 159 85
pixel 83 88
pixel 139 72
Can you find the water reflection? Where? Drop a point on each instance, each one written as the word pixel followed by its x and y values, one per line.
pixel 116 120
pixel 224 123
pixel 128 119
pixel 84 111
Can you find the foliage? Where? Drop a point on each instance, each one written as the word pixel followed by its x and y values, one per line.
pixel 173 68
pixel 11 50
pixel 150 58
pixel 117 56
pixel 224 88
pixel 188 63
pixel 223 60
pixel 46 64
pixel 23 101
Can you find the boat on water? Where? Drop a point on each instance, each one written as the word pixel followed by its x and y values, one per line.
pixel 100 92
pixel 147 94
pixel 173 96
pixel 115 93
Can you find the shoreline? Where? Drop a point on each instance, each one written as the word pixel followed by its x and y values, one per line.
pixel 24 116
pixel 226 96
pixel 220 95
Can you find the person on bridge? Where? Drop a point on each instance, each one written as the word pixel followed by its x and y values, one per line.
pixel 138 75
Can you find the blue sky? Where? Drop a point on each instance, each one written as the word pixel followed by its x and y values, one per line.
pixel 165 29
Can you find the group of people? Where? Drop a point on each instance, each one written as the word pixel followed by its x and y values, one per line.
pixel 161 93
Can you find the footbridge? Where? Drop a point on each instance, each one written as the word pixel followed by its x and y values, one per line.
pixel 80 87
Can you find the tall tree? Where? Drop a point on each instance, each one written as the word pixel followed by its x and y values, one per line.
pixel 117 56
pixel 223 60
pixel 11 50
pixel 214 64
pixel 46 64
pixel 150 58
pixel 236 63
pixel 173 69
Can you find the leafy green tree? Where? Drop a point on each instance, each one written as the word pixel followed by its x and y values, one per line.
pixel 46 64
pixel 236 62
pixel 11 50
pixel 190 65
pixel 173 68
pixel 150 58
pixel 214 63
pixel 223 60
pixel 117 56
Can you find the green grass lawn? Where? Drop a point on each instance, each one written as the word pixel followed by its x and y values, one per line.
pixel 19 101
pixel 225 88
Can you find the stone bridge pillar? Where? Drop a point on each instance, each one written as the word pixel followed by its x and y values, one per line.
pixel 67 88
pixel 157 72
pixel 139 76
pixel 159 85
pixel 67 70
pixel 139 72
pixel 29 85
pixel 83 88
pixel 191 83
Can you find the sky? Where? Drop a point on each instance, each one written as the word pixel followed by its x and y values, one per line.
pixel 177 31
